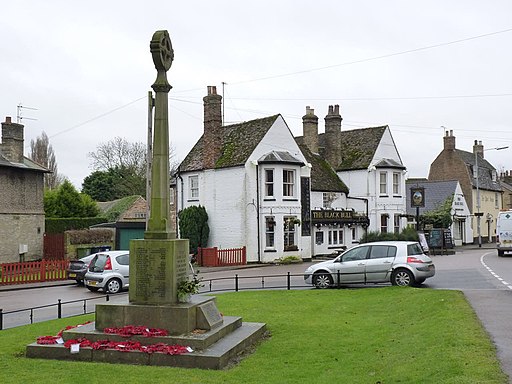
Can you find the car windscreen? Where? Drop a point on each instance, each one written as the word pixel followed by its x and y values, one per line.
pixel 98 263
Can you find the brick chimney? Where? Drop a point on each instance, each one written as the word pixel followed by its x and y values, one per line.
pixel 333 136
pixel 12 141
pixel 449 141
pixel 310 129
pixel 478 148
pixel 212 136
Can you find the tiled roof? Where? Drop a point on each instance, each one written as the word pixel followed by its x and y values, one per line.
pixel 358 147
pixel 279 157
pixel 485 171
pixel 389 163
pixel 238 142
pixel 323 177
pixel 27 164
pixel 436 193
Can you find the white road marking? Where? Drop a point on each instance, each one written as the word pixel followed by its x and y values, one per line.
pixel 493 273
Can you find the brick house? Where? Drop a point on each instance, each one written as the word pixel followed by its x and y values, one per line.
pixel 21 199
pixel 477 178
pixel 506 184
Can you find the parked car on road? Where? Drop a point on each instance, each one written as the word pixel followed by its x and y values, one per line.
pixel 78 268
pixel 401 263
pixel 108 271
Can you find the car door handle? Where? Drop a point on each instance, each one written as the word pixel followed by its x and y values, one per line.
pixel 386 262
pixel 361 264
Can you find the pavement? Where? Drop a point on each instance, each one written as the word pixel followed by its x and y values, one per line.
pixel 493 308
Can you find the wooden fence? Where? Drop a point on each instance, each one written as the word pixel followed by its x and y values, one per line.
pixel 53 246
pixel 213 257
pixel 33 271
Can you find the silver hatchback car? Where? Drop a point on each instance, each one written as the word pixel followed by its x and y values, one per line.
pixel 109 271
pixel 401 263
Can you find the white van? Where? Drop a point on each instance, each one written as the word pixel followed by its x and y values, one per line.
pixel 504 232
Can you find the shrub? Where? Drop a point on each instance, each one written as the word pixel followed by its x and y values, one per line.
pixel 289 260
pixel 407 234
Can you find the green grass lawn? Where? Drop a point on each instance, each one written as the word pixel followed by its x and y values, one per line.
pixel 381 335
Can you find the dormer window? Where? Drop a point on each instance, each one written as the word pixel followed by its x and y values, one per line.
pixel 494 175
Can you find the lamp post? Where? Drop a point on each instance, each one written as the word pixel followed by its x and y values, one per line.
pixel 479 214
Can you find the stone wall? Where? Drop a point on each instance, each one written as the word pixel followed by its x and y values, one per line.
pixel 16 229
pixel 21 213
pixel 448 166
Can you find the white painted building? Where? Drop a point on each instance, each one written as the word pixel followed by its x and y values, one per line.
pixel 250 177
pixel 279 195
pixel 369 164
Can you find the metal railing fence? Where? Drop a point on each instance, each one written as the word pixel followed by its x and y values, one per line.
pixel 235 283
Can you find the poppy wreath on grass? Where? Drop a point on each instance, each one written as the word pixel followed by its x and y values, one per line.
pixel 123 346
pixel 48 340
pixel 133 330
pixel 129 346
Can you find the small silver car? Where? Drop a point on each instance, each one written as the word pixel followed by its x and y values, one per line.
pixel 401 263
pixel 109 271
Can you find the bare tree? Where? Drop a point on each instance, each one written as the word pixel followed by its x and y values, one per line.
pixel 41 151
pixel 118 153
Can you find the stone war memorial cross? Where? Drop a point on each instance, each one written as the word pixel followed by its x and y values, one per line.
pixel 158 262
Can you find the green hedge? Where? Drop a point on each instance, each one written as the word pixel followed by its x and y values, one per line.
pixel 60 225
pixel 408 234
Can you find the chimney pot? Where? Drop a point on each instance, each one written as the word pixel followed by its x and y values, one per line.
pixel 333 137
pixel 310 129
pixel 449 141
pixel 8 119
pixel 336 109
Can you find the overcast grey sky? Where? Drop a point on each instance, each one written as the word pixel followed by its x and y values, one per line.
pixel 412 65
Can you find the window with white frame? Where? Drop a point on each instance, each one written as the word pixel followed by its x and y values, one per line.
pixel 289 233
pixel 193 187
pixel 496 200
pixel 335 237
pixel 354 234
pixel 288 182
pixel 396 183
pixel 383 183
pixel 269 183
pixel 270 225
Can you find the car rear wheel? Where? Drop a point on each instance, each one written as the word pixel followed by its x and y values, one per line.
pixel 402 278
pixel 501 253
pixel 92 289
pixel 113 286
pixel 322 280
